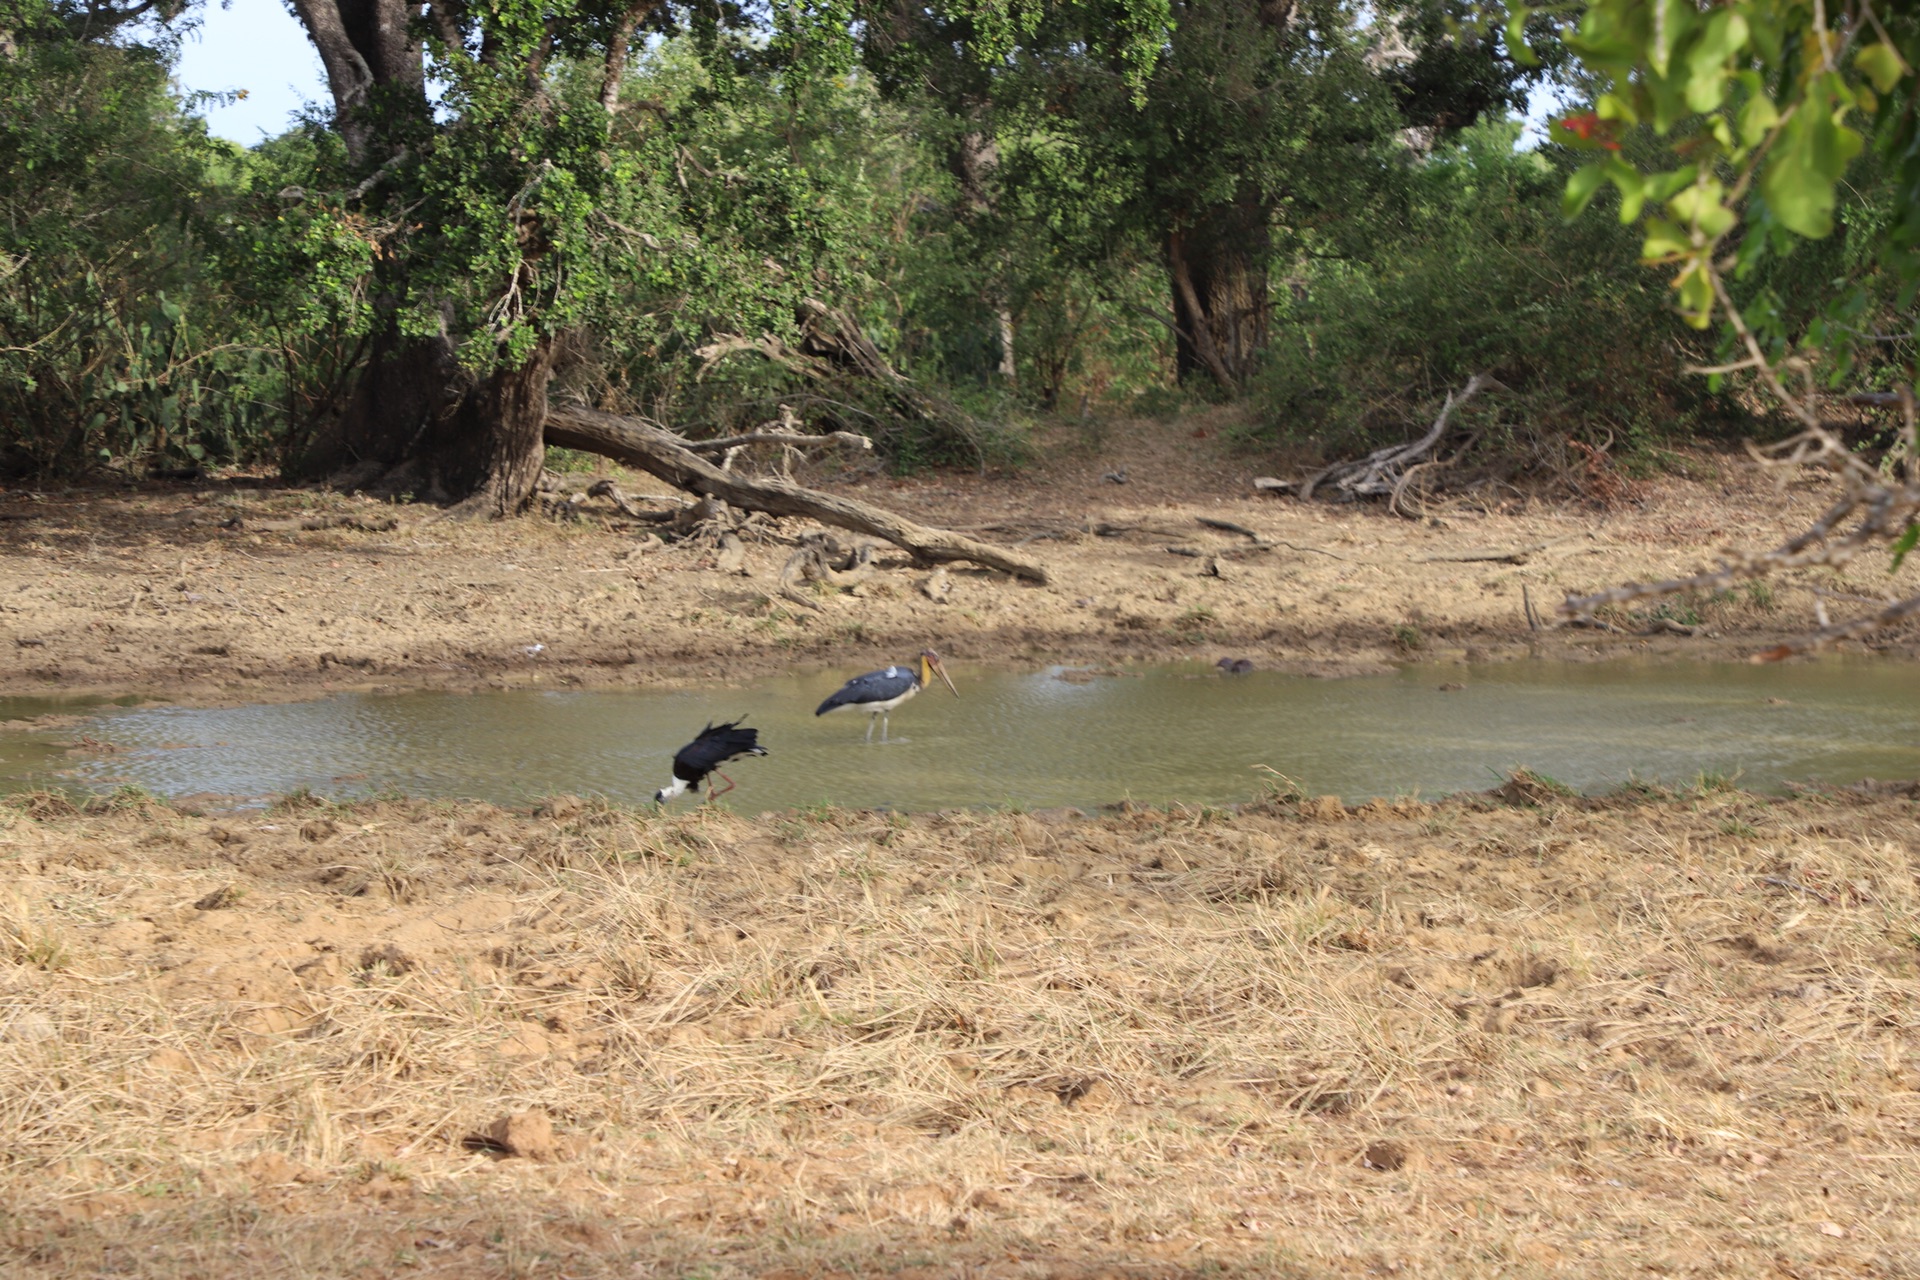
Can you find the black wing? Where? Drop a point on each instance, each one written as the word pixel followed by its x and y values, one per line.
pixel 717 744
pixel 875 686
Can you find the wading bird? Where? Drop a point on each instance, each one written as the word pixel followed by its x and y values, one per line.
pixel 879 692
pixel 717 744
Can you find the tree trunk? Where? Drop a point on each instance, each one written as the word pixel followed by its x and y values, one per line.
pixel 974 159
pixel 419 424
pixel 416 421
pixel 491 454
pixel 1218 272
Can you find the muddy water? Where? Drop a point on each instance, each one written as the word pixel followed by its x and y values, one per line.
pixel 1035 739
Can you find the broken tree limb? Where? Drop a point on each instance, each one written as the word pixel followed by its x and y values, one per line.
pixel 1380 474
pixel 833 345
pixel 795 440
pixel 1516 556
pixel 663 454
pixel 784 430
pixel 1228 526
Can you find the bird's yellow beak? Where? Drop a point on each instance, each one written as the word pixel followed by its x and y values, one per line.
pixel 928 666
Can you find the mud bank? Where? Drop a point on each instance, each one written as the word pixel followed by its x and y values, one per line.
pixel 203 594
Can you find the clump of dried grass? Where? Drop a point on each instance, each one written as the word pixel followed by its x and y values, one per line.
pixel 1130 1038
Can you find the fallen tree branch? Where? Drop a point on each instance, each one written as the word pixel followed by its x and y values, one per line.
pixel 785 431
pixel 1516 556
pixel 611 491
pixel 1228 526
pixel 663 454
pixel 833 343
pixel 798 440
pixel 1382 473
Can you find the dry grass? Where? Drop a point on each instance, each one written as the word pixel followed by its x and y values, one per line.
pixel 1459 1040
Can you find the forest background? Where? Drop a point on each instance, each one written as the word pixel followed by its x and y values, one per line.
pixel 685 211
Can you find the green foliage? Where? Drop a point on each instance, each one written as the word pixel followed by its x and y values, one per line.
pixel 112 343
pixel 1478 273
pixel 952 178
pixel 1767 106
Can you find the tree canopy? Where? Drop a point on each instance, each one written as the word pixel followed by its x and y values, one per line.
pixel 926 222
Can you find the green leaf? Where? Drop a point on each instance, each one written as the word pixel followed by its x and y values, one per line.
pixel 1580 190
pixel 1883 66
pixel 1517 37
pixel 1757 117
pixel 1725 34
pixel 1696 295
pixel 1909 538
pixel 1671 18
pixel 1798 183
pixel 1701 206
pixel 1664 240
pixel 1633 188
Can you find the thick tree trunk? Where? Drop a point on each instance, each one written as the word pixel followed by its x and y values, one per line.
pixel 974 159
pixel 417 423
pixel 1218 272
pixel 495 443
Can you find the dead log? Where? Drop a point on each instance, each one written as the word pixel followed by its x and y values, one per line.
pixel 663 454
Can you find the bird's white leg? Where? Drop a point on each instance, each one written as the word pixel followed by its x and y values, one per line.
pixel 870 719
pixel 886 723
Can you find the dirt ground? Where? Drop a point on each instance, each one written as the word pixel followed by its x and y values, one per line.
pixel 1498 1036
pixel 203 594
pixel 1518 1034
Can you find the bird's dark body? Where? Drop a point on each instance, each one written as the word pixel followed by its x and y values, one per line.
pixel 716 744
pixel 879 692
pixel 888 685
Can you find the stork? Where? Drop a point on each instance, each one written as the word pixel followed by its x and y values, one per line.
pixel 879 692
pixel 717 744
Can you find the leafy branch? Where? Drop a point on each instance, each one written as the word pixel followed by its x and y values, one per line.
pixel 1765 105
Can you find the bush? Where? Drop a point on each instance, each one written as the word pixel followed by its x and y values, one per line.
pixel 109 341
pixel 1480 274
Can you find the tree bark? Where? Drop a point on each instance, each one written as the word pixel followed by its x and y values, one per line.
pixel 491 454
pixel 367 47
pixel 619 44
pixel 417 423
pixel 663 454
pixel 1218 271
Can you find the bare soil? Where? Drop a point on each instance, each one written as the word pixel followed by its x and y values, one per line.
pixel 1517 1034
pixel 1499 1036
pixel 202 594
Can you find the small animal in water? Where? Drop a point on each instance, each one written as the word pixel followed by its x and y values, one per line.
pixel 717 744
pixel 879 692
pixel 1234 666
